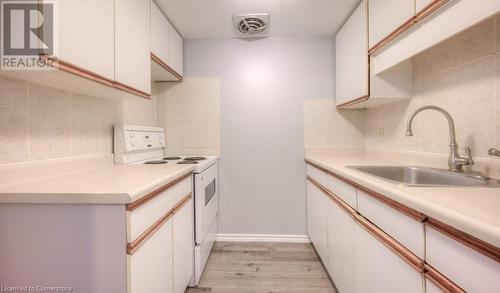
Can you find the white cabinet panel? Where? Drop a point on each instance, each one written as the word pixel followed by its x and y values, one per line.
pixel 175 51
pixel 352 57
pixel 88 43
pixel 133 44
pixel 317 203
pixel 146 215
pixel 159 33
pixel 385 16
pixel 341 264
pixel 378 269
pixel 183 247
pixel 443 24
pixel 345 191
pixel 150 267
pixel 460 264
pixel 404 229
pixel 320 176
pixel 421 4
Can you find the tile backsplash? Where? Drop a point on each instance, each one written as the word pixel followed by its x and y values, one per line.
pixel 190 113
pixel 324 125
pixel 462 75
pixel 39 122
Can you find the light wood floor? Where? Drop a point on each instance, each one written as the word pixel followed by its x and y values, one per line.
pixel 263 267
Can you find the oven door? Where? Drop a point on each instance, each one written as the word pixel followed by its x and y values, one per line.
pixel 206 201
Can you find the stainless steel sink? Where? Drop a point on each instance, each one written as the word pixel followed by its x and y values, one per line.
pixel 425 176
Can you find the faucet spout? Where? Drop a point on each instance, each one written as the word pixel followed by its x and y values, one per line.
pixel 455 161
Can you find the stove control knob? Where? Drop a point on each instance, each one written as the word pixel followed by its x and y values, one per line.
pixel 131 134
pixel 132 143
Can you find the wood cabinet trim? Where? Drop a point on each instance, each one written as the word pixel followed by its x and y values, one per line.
pixel 408 25
pixel 396 247
pixel 148 197
pixel 136 244
pixel 440 280
pixel 472 242
pixel 336 199
pixel 164 65
pixel 355 101
pixel 87 74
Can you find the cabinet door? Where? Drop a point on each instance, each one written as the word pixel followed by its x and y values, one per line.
pixel 421 4
pixel 341 248
pixel 461 264
pixel 183 247
pixel 385 16
pixel 150 267
pixel 175 51
pixel 133 44
pixel 317 220
pixel 378 269
pixel 159 33
pixel 352 57
pixel 88 43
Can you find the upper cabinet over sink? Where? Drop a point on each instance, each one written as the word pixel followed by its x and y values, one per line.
pixel 166 48
pixel 394 31
pixel 385 16
pixel 356 87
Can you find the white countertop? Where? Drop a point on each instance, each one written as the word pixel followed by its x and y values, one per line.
pixel 88 183
pixel 475 211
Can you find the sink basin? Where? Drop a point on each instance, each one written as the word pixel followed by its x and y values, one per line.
pixel 425 176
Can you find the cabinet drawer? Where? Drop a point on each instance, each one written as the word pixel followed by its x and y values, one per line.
pixel 345 191
pixel 469 269
pixel 140 219
pixel 407 231
pixel 317 174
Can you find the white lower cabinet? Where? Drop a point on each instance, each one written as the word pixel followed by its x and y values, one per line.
pixel 378 269
pixel 341 227
pixel 183 247
pixel 466 267
pixel 317 203
pixel 150 268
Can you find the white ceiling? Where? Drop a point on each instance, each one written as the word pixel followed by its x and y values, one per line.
pixel 213 18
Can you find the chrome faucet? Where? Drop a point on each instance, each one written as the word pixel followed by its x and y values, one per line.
pixel 456 163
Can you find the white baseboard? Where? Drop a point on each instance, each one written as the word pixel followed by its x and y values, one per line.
pixel 262 238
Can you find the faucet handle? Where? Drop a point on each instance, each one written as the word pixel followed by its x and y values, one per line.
pixel 468 151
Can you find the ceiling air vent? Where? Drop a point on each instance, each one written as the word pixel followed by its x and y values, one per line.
pixel 252 25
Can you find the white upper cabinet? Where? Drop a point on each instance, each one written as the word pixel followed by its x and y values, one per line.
pixel 166 46
pixel 352 57
pixel 175 50
pixel 88 44
pixel 385 16
pixel 421 4
pixel 159 33
pixel 133 44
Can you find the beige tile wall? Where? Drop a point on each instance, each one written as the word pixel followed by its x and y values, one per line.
pixel 325 126
pixel 462 75
pixel 190 113
pixel 38 122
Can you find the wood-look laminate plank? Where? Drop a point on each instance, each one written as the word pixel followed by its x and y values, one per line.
pixel 262 268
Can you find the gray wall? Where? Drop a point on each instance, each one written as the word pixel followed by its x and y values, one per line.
pixel 263 85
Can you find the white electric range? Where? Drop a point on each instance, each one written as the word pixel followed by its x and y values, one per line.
pixel 146 145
